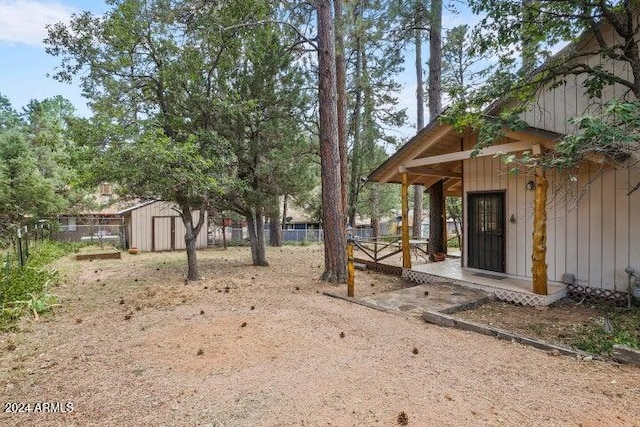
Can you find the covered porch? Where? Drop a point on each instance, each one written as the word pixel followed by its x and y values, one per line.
pixel 504 287
pixel 439 155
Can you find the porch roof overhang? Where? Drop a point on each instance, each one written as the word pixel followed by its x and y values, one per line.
pixel 437 152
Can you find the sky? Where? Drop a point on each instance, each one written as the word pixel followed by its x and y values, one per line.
pixel 24 64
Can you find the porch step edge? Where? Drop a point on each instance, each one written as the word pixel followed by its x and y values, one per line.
pixel 508 295
pixel 445 320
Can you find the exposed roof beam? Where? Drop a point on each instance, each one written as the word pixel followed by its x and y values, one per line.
pixel 546 141
pixel 451 183
pixel 434 172
pixel 416 149
pixel 462 155
pixel 429 182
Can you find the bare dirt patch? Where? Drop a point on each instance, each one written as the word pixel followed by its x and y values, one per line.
pixel 134 345
pixel 559 323
pixel 575 324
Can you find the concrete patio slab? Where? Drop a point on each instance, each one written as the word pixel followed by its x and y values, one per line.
pixel 442 297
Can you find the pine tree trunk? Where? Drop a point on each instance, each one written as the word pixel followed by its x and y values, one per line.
pixel 192 261
pixel 437 233
pixel 418 190
pixel 261 247
pixel 284 211
pixel 375 213
pixel 435 60
pixel 224 232
pixel 334 235
pixel 418 200
pixel 253 237
pixel 275 232
pixel 341 89
pixel 356 150
pixel 437 211
pixel 528 44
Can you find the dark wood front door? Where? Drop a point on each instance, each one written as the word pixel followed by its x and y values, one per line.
pixel 486 231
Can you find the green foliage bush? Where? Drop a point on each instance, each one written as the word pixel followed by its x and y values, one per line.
pixel 24 289
pixel 624 329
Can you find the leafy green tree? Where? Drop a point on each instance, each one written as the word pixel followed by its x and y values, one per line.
pixel 156 65
pixel 462 70
pixel 218 81
pixel 46 126
pixel 377 201
pixel 262 125
pixel 412 20
pixel 24 192
pixel 521 34
pixel 30 183
pixel 373 88
pixel 9 117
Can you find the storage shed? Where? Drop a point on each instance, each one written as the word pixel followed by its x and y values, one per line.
pixel 155 226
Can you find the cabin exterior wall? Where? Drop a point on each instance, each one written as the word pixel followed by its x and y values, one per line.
pixel 593 225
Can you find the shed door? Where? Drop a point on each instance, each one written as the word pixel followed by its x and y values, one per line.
pixel 486 231
pixel 162 237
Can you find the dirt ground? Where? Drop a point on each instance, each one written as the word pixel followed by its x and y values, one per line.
pixel 133 345
pixel 559 323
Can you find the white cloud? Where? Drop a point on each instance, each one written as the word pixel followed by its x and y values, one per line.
pixel 24 21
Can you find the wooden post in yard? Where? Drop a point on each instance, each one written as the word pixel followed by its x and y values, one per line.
pixel 539 255
pixel 351 271
pixel 406 252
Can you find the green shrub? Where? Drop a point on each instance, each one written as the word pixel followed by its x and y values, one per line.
pixel 623 328
pixel 24 289
pixel 49 251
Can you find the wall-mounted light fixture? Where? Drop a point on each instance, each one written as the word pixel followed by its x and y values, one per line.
pixel 530 185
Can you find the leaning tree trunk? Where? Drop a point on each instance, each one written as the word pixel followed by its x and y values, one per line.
pixel 334 235
pixel 454 216
pixel 437 234
pixel 418 190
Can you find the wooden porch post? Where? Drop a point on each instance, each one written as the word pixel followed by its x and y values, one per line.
pixel 406 252
pixel 539 255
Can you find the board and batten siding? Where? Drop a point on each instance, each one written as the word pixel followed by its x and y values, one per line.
pixel 141 226
pixel 593 226
pixel 554 106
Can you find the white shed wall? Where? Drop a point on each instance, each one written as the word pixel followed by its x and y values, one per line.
pixel 141 227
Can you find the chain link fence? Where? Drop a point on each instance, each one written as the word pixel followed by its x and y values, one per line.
pixel 100 234
pixel 240 236
pixel 18 243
